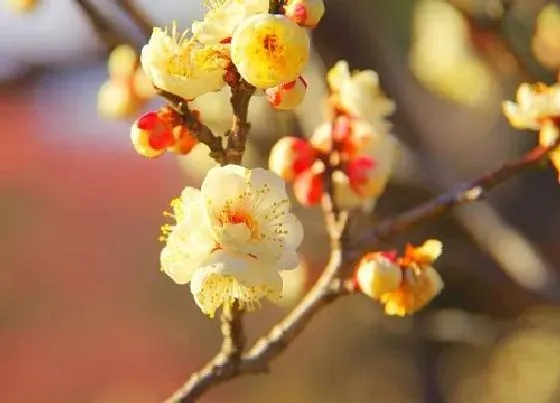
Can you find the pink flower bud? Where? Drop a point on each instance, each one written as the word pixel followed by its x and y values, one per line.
pixel 306 13
pixel 185 141
pixel 308 188
pixel 152 134
pixel 291 156
pixel 288 95
pixel 359 171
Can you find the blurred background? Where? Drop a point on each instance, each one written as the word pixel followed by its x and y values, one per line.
pixel 85 313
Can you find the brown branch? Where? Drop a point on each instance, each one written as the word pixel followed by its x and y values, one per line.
pixel 241 93
pixel 140 19
pixel 202 132
pixel 223 366
pixel 466 193
pixel 103 28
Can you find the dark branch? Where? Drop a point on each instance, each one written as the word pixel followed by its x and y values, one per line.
pixel 140 19
pixel 465 193
pixel 106 32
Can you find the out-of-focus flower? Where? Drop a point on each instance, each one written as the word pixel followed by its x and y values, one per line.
pixel 143 85
pixel 306 13
pixel 536 103
pixel 294 282
pixel 420 282
pixel 547 137
pixel 369 173
pixel 538 108
pixel 359 95
pixel 155 132
pixel 21 6
pixel 269 49
pixel 183 66
pixel 116 99
pixel 122 62
pixel 232 237
pixel 353 135
pixel 290 157
pixel 378 274
pixel 545 43
pixel 308 187
pixel 345 198
pixel 288 95
pixel 223 17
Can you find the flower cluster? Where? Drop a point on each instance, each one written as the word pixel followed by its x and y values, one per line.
pixel 160 131
pixel 538 108
pixel 269 51
pixel 404 285
pixel 127 89
pixel 358 134
pixel 231 238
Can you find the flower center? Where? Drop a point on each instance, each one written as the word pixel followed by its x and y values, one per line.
pixel 239 225
pixel 270 43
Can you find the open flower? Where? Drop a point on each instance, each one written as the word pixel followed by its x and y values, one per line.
pixel 269 49
pixel 183 66
pixel 232 238
pixel 536 104
pixel 538 108
pixel 420 282
pixel 360 96
pixel 223 17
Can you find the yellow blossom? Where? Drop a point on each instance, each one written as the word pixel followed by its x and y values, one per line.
pixel 538 108
pixel 420 282
pixel 360 95
pixel 183 66
pixel 269 49
pixel 536 103
pixel 232 237
pixel 223 17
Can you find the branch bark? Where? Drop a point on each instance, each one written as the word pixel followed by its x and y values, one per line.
pixel 103 28
pixel 465 193
pixel 140 19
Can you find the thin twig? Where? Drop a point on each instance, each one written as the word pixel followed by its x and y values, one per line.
pixel 223 366
pixel 202 132
pixel 103 28
pixel 139 18
pixel 465 193
pixel 241 93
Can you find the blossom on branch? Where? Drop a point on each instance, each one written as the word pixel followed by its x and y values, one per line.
pixel 232 237
pixel 538 108
pixel 306 13
pixel 223 17
pixel 157 132
pixel 407 291
pixel 269 49
pixel 179 64
pixel 358 94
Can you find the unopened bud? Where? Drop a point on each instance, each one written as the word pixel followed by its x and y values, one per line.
pixel 306 13
pixel 142 85
pixel 288 95
pixel 151 135
pixel 308 188
pixel 123 62
pixel 291 156
pixel 377 275
pixel 116 99
pixel 185 141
